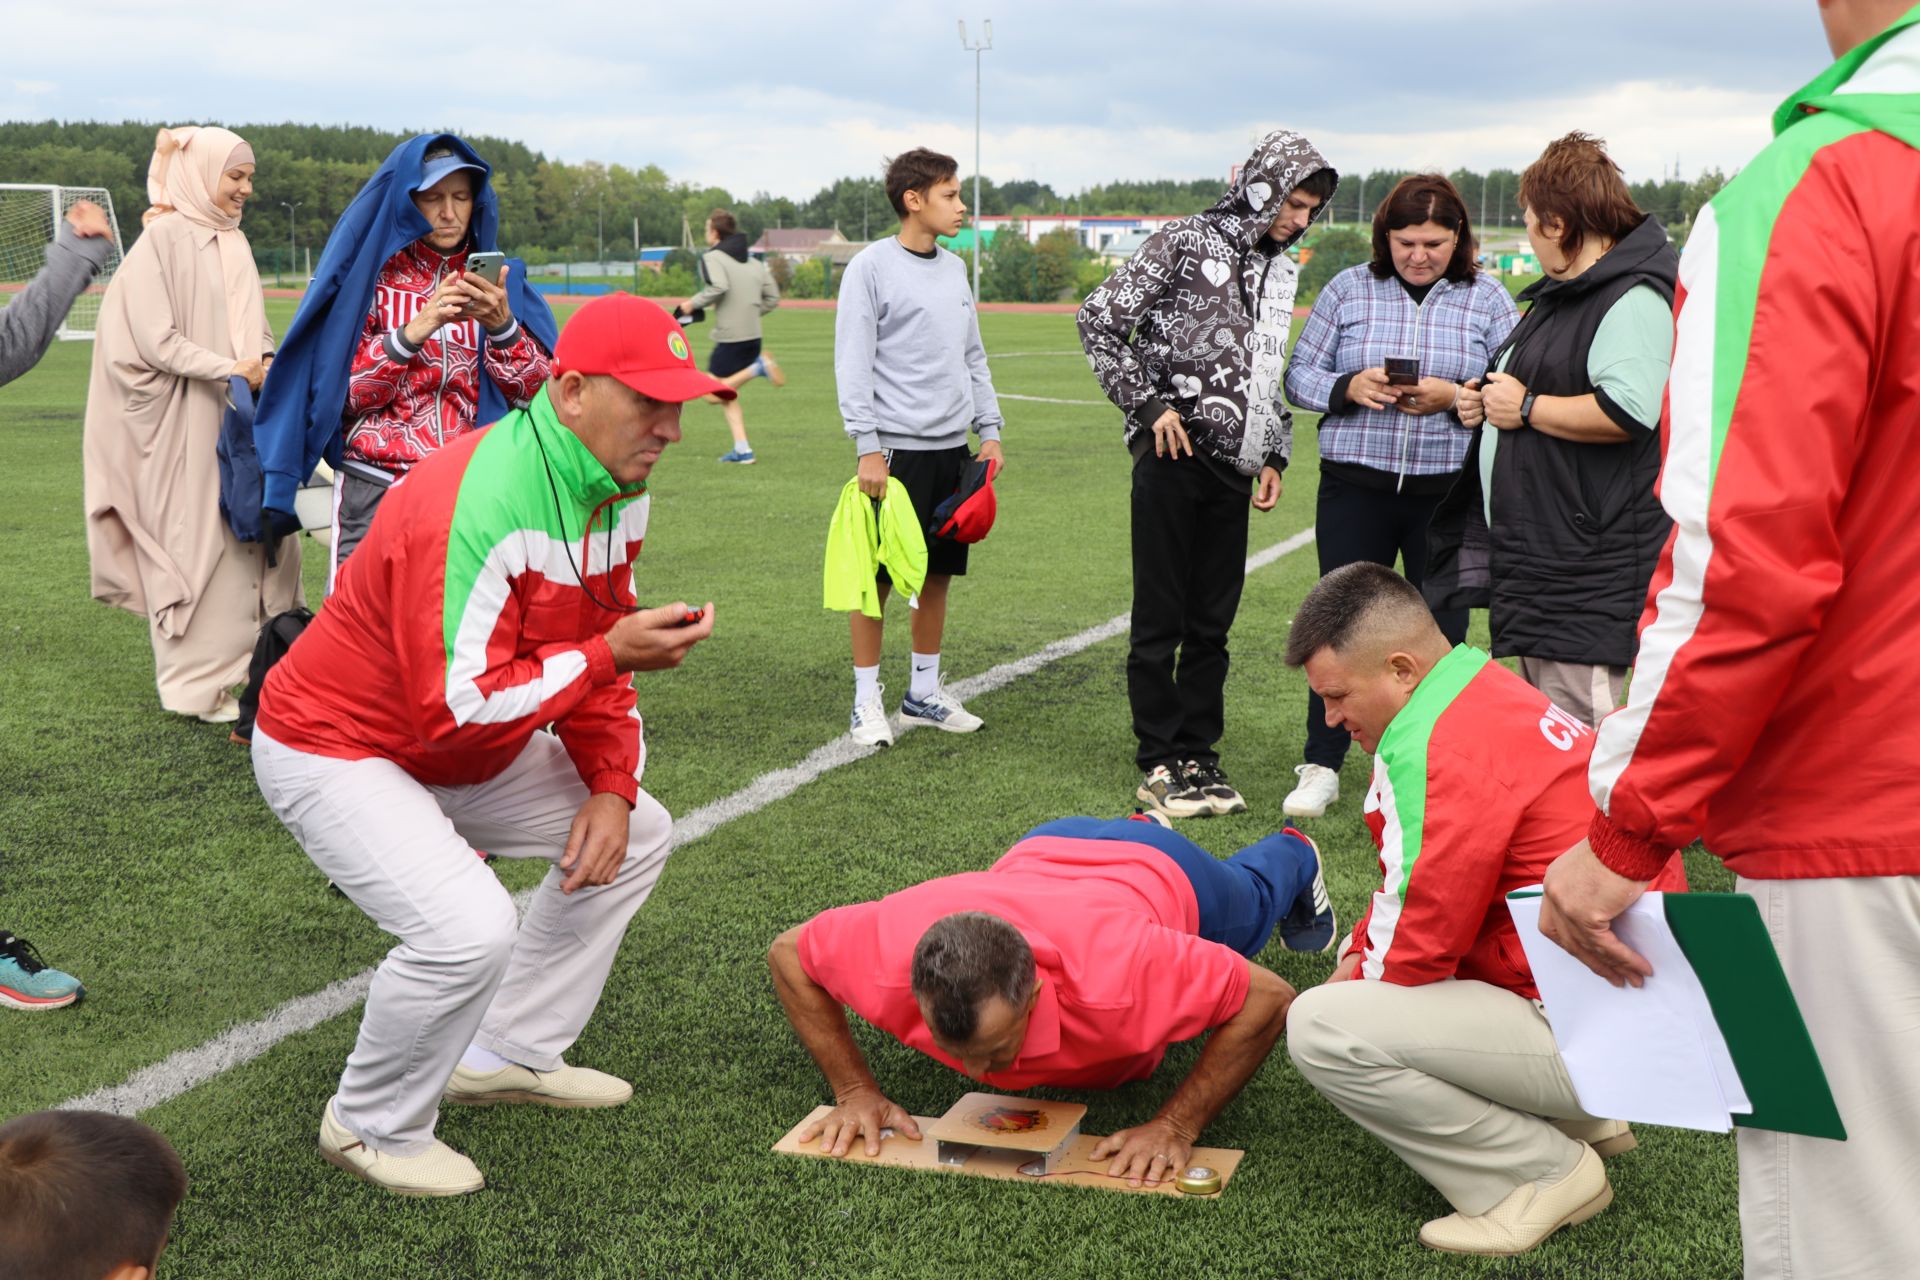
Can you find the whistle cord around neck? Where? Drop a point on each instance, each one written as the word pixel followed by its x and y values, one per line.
pixel 612 603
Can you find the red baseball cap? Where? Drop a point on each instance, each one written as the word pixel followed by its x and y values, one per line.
pixel 637 342
pixel 968 514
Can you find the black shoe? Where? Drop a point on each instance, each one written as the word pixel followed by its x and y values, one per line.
pixel 1212 784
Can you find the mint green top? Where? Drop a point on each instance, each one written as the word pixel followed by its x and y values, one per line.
pixel 1631 355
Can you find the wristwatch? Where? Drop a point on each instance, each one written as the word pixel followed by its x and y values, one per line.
pixel 1526 410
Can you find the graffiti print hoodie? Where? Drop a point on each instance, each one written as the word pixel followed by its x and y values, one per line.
pixel 1197 320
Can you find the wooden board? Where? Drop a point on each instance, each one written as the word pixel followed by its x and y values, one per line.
pixel 1076 1169
pixel 1009 1124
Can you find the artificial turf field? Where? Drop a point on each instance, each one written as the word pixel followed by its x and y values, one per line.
pixel 136 851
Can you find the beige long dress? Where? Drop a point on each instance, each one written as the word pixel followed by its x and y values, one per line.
pixel 157 542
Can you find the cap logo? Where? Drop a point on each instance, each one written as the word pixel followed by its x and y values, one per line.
pixel 677 345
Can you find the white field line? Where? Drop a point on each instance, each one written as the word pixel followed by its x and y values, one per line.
pixel 1021 355
pixel 179 1072
pixel 1008 395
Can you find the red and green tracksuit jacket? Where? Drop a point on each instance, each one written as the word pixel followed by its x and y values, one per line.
pixel 1773 709
pixel 464 627
pixel 1478 784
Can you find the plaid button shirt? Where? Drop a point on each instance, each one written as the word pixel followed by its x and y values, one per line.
pixel 1356 323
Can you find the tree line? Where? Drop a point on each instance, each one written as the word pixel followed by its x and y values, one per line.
pixel 552 210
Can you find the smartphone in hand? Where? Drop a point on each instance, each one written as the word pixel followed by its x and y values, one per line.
pixel 1403 371
pixel 486 266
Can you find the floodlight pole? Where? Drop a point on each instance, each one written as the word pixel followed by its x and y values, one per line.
pixel 976 50
pixel 293 251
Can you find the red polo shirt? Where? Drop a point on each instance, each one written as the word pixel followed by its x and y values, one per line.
pixel 1111 925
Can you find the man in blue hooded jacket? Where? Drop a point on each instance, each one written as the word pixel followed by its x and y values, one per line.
pixel 397 349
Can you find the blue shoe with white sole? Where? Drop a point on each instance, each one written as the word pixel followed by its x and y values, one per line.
pixel 1309 924
pixel 26 983
pixel 744 456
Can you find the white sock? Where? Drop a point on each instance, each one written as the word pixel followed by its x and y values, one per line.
pixel 478 1059
pixel 866 684
pixel 926 676
pixel 743 446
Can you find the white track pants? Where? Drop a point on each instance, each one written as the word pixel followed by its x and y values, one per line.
pixel 1813 1208
pixel 465 971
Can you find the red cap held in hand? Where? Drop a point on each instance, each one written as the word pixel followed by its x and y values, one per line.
pixel 968 514
pixel 637 342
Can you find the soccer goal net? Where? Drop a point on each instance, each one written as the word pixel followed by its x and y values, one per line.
pixel 28 216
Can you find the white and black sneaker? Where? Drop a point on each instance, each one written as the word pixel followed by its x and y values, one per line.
pixel 939 710
pixel 1166 791
pixel 870 727
pixel 1212 782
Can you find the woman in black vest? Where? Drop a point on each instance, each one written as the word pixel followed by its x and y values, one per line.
pixel 1553 525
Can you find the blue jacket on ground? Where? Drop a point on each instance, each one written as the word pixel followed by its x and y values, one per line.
pixel 299 415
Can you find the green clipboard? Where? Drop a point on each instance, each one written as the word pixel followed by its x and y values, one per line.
pixel 1728 945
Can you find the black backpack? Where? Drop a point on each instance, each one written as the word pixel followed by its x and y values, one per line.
pixel 275 639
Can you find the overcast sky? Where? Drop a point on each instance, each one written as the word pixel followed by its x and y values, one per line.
pixel 786 96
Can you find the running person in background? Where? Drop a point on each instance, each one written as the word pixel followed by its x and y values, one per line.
pixel 740 289
pixel 912 378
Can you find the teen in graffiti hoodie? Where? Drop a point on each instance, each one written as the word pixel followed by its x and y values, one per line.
pixel 1196 323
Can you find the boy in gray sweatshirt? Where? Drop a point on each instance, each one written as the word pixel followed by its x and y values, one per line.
pixel 912 378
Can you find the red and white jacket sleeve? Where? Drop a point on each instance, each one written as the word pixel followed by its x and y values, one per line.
pixel 1762 438
pixel 1440 872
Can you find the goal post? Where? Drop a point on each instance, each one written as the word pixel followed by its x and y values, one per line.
pixel 29 213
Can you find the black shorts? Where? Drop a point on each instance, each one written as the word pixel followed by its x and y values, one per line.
pixel 731 357
pixel 930 476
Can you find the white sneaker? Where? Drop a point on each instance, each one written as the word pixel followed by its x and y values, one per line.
pixel 870 727
pixel 1319 787
pixel 941 710
pixel 437 1171
pixel 564 1086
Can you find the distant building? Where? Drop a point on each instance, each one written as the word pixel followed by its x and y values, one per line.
pixel 797 244
pixel 1094 230
pixel 1122 247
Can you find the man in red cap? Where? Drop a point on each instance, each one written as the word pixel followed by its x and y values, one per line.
pixel 493 597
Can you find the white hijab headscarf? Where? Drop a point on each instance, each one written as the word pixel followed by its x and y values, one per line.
pixel 184 177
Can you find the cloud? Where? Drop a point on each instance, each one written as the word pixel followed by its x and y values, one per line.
pixel 786 98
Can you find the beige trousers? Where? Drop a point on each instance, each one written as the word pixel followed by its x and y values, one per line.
pixel 1585 690
pixel 1813 1208
pixel 1454 1077
pixel 193 670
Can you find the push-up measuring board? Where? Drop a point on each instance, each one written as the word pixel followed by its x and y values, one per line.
pixel 1016 1139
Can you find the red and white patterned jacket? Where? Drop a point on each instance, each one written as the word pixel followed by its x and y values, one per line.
pixel 404 403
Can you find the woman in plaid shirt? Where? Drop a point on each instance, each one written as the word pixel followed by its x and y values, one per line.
pixel 1389 453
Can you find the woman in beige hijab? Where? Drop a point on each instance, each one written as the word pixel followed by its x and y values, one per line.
pixel 183 314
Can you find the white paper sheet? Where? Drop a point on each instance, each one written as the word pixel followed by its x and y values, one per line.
pixel 1651 1054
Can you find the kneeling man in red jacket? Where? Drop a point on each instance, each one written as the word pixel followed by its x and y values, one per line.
pixel 1428 1033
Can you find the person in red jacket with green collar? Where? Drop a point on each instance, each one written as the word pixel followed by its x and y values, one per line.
pixel 1772 707
pixel 492 598
pixel 1429 1034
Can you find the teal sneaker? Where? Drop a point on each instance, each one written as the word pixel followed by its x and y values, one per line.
pixel 738 455
pixel 27 983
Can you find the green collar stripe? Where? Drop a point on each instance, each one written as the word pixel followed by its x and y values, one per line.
pixel 1747 208
pixel 1403 748
pixel 504 492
